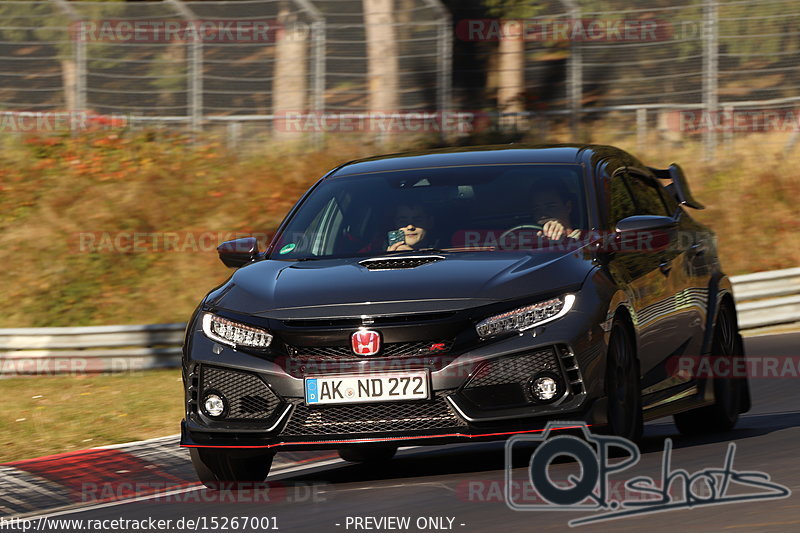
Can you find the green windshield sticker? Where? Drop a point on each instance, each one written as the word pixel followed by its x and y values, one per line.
pixel 288 248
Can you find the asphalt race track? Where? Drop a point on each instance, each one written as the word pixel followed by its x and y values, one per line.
pixel 460 488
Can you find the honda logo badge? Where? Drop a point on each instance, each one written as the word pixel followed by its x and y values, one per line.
pixel 366 342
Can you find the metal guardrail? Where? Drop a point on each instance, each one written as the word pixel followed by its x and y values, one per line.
pixel 767 298
pixel 762 299
pixel 97 349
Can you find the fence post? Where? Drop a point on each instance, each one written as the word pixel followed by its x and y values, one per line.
pixel 641 128
pixel 710 75
pixel 445 72
pixel 194 67
pixel 318 98
pixel 79 88
pixel 81 102
pixel 728 117
pixel 318 53
pixel 234 134
pixel 574 73
pixel 444 48
pixel 196 82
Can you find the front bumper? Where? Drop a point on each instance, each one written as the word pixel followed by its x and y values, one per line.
pixel 479 394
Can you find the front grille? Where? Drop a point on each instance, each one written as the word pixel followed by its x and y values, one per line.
pixel 248 397
pixel 513 369
pixel 392 349
pixel 371 418
pixel 392 263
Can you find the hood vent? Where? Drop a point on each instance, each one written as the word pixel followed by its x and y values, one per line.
pixel 395 263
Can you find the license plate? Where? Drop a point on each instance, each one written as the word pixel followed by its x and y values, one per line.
pixel 358 388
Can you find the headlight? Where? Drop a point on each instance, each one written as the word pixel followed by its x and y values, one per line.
pixel 526 317
pixel 233 333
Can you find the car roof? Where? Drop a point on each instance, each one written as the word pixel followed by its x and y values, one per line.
pixel 483 155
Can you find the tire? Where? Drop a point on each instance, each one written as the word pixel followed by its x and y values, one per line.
pixel 218 469
pixel 623 386
pixel 368 454
pixel 723 414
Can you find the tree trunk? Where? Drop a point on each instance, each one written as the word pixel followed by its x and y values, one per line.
pixel 69 78
pixel 290 84
pixel 381 56
pixel 511 74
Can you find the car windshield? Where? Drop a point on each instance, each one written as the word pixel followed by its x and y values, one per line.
pixel 447 209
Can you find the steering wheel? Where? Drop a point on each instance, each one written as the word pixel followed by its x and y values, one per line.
pixel 517 228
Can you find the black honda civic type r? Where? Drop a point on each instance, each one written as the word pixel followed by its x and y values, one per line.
pixel 462 294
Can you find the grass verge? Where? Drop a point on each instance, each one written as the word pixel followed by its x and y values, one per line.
pixel 58 194
pixel 54 414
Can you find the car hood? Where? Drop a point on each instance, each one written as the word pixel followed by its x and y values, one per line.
pixel 343 287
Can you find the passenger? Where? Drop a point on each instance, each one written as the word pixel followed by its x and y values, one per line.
pixel 416 224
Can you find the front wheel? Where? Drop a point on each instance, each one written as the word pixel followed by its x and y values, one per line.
pixel 723 414
pixel 218 468
pixel 623 387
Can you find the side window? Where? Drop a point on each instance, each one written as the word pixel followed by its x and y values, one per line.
pixel 621 203
pixel 646 197
pixel 323 229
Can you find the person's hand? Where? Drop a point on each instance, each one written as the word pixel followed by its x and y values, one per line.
pixel 398 246
pixel 554 230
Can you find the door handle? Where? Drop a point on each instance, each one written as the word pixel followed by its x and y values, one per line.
pixel 665 267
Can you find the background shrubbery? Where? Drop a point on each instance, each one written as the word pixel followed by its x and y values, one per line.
pixel 52 189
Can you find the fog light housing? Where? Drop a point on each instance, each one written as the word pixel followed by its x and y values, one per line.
pixel 546 387
pixel 214 405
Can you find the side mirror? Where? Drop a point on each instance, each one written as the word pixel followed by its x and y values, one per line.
pixel 238 252
pixel 644 223
pixel 644 233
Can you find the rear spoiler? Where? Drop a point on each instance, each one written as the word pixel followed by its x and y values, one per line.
pixel 679 188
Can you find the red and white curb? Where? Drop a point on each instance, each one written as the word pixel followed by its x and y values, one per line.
pixel 118 473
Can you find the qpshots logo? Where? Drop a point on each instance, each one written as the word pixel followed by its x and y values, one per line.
pixel 594 490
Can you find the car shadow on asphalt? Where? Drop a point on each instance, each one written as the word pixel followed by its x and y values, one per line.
pixel 749 426
pixel 476 458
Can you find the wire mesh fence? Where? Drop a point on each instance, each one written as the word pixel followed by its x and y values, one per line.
pixel 195 60
pixel 697 69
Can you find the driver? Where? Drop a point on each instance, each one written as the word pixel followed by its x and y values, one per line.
pixel 552 209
